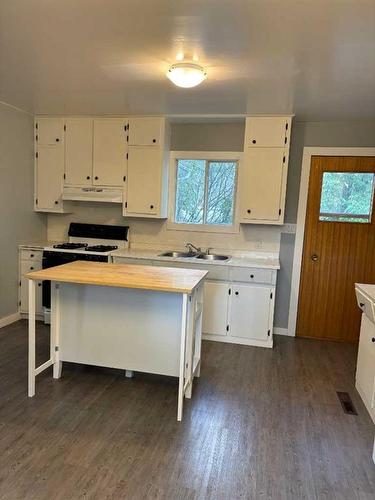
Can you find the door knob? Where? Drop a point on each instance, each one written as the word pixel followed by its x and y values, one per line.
pixel 314 257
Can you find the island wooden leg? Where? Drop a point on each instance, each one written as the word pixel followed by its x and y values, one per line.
pixel 31 378
pixel 55 329
pixel 181 380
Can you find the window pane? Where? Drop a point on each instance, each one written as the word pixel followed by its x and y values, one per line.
pixel 346 197
pixel 190 191
pixel 220 192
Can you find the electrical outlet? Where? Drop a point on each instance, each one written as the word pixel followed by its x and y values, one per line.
pixel 258 244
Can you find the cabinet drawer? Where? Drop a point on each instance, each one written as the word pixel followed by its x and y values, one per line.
pixel 251 275
pixel 214 272
pixel 29 265
pixel 32 255
pixel 367 306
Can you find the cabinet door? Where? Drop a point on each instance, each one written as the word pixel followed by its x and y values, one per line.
pixel 365 376
pixel 24 296
pixel 215 308
pixel 143 184
pixel 267 131
pixel 146 131
pixel 49 178
pixel 78 151
pixel 49 131
pixel 261 183
pixel 110 148
pixel 249 311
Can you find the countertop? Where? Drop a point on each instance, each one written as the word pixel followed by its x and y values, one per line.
pixel 39 245
pixel 369 290
pixel 256 260
pixel 162 279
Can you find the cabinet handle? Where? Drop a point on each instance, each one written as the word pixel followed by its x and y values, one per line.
pixel 57 139
pixel 31 268
pixel 151 206
pixel 56 202
pixel 88 177
pixel 236 293
pixel 248 211
pixel 373 339
pixel 96 177
pixel 254 141
pixel 251 276
pixel 154 140
pixel 31 255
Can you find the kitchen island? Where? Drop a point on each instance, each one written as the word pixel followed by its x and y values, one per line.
pixel 122 316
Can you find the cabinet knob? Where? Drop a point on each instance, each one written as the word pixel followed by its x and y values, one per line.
pixel 154 140
pixel 31 255
pixel 88 177
pixel 251 276
pixel 373 339
pixel 314 257
pixel 151 206
pixel 56 202
pixel 248 211
pixel 39 284
pixel 361 304
pixel 96 177
pixel 57 139
pixel 236 293
pixel 31 268
pixel 254 141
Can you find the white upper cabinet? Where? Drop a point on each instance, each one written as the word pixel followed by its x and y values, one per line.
pixel 78 151
pixel 49 131
pixel 249 312
pixel 261 184
pixel 267 131
pixel 264 169
pixel 146 186
pixel 110 149
pixel 147 131
pixel 49 175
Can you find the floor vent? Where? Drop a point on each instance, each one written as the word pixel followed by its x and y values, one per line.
pixel 346 403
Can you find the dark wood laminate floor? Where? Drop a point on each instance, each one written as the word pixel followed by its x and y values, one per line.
pixel 262 424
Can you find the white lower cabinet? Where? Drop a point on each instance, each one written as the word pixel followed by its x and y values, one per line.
pixel 249 312
pixel 30 260
pixel 215 308
pixel 365 376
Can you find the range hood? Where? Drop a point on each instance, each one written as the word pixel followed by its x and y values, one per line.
pixel 108 195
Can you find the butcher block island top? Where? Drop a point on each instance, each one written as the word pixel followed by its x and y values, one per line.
pixel 162 279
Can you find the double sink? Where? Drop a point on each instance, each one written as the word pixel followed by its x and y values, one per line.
pixel 195 255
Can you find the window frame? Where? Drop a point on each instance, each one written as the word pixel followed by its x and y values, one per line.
pixel 349 216
pixel 209 156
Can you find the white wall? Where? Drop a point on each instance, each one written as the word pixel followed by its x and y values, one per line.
pixel 18 222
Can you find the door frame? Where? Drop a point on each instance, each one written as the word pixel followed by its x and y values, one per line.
pixel 308 153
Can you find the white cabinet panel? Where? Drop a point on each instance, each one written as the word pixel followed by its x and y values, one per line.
pixel 49 131
pixel 261 184
pixel 249 311
pixel 78 151
pixel 49 178
pixel 146 131
pixel 251 275
pixel 24 296
pixel 215 308
pixel 110 148
pixel 143 184
pixel 365 377
pixel 266 131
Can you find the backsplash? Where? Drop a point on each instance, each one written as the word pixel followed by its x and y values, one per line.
pixel 154 234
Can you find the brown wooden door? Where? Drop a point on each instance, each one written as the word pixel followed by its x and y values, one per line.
pixel 336 254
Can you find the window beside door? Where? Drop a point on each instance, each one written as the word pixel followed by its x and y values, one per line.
pixel 347 197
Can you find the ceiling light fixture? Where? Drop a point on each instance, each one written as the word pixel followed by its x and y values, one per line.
pixel 186 75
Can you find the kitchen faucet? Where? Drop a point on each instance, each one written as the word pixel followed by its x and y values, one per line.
pixel 192 248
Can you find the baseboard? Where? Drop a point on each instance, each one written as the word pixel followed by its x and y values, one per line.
pixel 8 320
pixel 282 331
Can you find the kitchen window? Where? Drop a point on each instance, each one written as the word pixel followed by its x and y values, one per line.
pixel 203 191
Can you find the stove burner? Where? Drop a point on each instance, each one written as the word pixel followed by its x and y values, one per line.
pixel 101 248
pixel 70 246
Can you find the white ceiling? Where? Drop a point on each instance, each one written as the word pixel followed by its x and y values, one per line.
pixel 315 58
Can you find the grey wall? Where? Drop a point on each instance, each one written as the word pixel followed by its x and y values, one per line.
pixel 18 222
pixel 208 136
pixel 313 134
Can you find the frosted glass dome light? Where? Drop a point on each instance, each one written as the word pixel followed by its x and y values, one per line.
pixel 186 75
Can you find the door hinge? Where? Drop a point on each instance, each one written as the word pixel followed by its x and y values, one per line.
pixel 64 176
pixel 229 291
pixel 124 178
pixel 279 211
pixel 125 128
pixel 286 140
pixel 126 204
pixel 227 328
pixel 127 138
pixel 269 332
pixel 64 128
pixel 20 283
pixel 56 348
pixel 284 159
pixel 19 303
pixel 36 201
pixel 36 137
pixel 286 126
pixel 36 154
pixel 127 156
pixel 271 295
pixel 36 125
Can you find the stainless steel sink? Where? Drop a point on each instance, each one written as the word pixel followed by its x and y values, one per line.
pixel 212 256
pixel 178 254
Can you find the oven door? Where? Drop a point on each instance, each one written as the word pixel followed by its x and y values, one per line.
pixel 52 259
